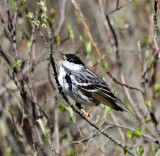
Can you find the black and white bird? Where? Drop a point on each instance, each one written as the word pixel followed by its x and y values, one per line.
pixel 84 86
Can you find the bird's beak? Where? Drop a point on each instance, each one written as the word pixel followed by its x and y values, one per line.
pixel 59 60
pixel 63 57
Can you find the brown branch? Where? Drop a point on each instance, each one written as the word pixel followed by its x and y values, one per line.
pixel 118 7
pixel 12 30
pixel 62 17
pixel 86 27
pixel 150 65
pixel 97 133
pixel 122 84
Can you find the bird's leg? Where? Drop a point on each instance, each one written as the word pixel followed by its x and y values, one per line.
pixel 87 114
pixel 81 108
pixel 78 106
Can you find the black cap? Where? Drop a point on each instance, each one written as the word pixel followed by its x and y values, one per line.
pixel 73 58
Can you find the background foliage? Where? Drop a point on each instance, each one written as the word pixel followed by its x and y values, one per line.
pixel 118 40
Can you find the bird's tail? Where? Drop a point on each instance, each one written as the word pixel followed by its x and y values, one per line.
pixel 122 106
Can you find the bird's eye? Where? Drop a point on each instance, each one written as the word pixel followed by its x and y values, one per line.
pixel 70 60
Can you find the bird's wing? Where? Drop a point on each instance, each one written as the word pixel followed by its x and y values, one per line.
pixel 94 86
pixel 101 96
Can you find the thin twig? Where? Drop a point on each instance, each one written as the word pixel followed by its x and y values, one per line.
pixel 92 136
pixel 119 7
pixel 122 84
pixel 62 17
pixel 144 135
pixel 12 29
pixel 86 27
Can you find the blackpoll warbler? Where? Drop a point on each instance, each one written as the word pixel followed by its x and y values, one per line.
pixel 84 86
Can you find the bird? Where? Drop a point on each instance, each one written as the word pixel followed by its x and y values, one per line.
pixel 84 86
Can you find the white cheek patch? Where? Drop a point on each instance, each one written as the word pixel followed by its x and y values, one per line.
pixel 72 66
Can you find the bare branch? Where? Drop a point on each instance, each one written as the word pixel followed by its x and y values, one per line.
pixel 144 135
pixel 86 26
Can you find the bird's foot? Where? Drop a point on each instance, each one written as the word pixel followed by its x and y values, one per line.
pixel 81 108
pixel 86 115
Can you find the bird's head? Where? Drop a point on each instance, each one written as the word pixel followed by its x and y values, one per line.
pixel 70 62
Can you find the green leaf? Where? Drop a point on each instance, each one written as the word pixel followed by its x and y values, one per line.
pixel 12 3
pixel 149 103
pixel 3 129
pixel 89 47
pixel 71 115
pixel 152 70
pixel 154 149
pixel 126 149
pixel 41 125
pixel 147 53
pixel 44 17
pixel 140 150
pixel 70 153
pixel 63 138
pixel 37 23
pixel 157 87
pixel 72 118
pixel 44 26
pixel 9 151
pixel 30 16
pixel 88 57
pixel 103 56
pixel 155 94
pixel 10 111
pixel 107 111
pixel 148 119
pixel 29 45
pixel 156 90
pixel 61 108
pixel 47 133
pixel 106 65
pixel 114 90
pixel 138 133
pixel 70 32
pixel 130 134
pixel 69 109
pixel 81 39
pixel 43 6
pixel 17 63
pixel 57 39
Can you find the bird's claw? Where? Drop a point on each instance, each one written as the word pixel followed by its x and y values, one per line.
pixel 86 114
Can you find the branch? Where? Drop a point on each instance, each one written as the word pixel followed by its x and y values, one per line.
pixel 62 17
pixel 114 43
pixel 94 135
pixel 122 84
pixel 153 62
pixel 119 7
pixel 111 125
pixel 132 129
pixel 12 30
pixel 86 27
